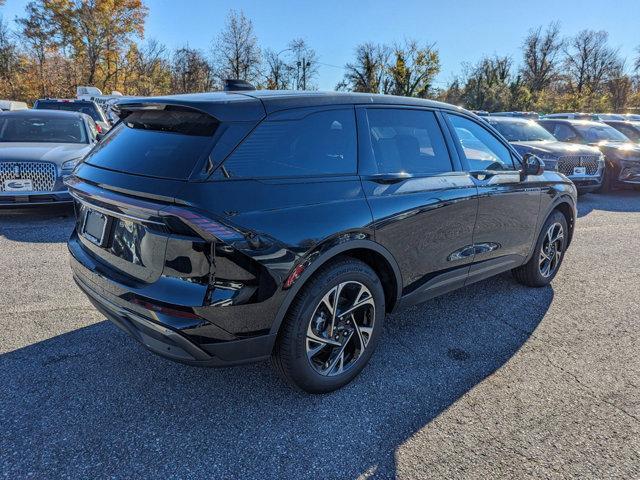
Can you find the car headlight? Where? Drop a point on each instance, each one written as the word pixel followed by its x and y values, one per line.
pixel 71 164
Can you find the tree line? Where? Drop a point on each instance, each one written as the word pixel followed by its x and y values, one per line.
pixel 578 73
pixel 59 44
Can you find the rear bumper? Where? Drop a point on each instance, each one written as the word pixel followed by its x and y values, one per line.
pixel 162 334
pixel 35 198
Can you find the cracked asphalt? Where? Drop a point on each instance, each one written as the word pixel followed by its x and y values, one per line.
pixel 494 381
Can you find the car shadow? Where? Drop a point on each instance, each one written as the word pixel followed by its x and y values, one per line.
pixel 615 201
pixel 37 224
pixel 92 402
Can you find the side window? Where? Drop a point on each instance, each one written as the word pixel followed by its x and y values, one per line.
pixel 405 140
pixel 563 132
pixel 322 143
pixel 481 148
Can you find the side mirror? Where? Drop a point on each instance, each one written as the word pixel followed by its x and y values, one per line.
pixel 533 165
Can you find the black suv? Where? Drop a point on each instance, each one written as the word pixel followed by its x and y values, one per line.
pixel 223 228
pixel 584 165
pixel 622 156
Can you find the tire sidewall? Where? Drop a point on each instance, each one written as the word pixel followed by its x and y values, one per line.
pixel 555 217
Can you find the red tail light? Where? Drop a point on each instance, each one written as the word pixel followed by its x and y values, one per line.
pixel 99 128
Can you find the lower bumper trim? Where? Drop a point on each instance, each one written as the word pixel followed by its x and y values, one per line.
pixel 174 346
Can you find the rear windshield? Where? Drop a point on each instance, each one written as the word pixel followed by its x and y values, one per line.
pixel 157 143
pixel 83 107
pixel 42 129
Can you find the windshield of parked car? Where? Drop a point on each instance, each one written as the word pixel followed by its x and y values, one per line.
pixel 528 131
pixel 630 129
pixel 83 107
pixel 41 129
pixel 598 133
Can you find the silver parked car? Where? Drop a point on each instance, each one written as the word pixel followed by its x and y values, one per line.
pixel 37 150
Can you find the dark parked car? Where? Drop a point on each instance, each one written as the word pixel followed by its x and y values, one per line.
pixel 89 107
pixel 622 157
pixel 584 165
pixel 516 114
pixel 223 228
pixel 631 130
pixel 38 149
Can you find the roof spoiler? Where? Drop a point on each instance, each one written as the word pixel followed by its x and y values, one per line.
pixel 236 85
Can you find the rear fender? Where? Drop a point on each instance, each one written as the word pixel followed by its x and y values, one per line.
pixel 329 250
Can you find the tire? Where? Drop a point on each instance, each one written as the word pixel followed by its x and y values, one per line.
pixel 309 320
pixel 607 183
pixel 534 273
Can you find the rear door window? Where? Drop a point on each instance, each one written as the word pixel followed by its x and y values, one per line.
pixel 157 143
pixel 321 143
pixel 407 141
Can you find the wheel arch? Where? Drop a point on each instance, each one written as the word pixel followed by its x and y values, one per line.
pixel 367 251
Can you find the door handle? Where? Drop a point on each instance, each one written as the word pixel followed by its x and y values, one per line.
pixel 482 174
pixel 388 178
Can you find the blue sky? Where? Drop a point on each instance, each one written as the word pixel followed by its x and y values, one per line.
pixel 462 30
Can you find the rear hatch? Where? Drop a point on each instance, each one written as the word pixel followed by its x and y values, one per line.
pixel 127 186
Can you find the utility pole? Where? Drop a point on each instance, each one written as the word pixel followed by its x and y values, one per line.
pixel 304 64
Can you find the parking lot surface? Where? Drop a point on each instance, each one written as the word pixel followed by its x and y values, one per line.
pixel 496 380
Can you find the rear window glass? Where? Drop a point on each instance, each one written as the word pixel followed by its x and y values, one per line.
pixel 166 144
pixel 322 143
pixel 82 107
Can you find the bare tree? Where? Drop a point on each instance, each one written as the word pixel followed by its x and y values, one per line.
pixel 369 72
pixel 541 50
pixel 589 62
pixel 236 53
pixel 147 69
pixel 191 72
pixel 304 64
pixel 636 65
pixel 279 73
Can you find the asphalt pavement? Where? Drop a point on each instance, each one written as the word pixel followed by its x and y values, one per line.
pixel 493 381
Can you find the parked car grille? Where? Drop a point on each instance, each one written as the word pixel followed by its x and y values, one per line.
pixel 566 164
pixel 42 174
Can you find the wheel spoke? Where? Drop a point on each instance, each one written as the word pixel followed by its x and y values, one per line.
pixel 338 358
pixel 334 310
pixel 354 307
pixel 313 351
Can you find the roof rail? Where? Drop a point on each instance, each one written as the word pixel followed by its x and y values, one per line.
pixel 235 85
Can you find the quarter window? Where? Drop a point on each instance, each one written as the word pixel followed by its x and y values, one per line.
pixel 322 143
pixel 405 140
pixel 481 148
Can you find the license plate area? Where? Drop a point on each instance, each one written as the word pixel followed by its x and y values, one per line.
pixel 95 227
pixel 579 170
pixel 18 185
